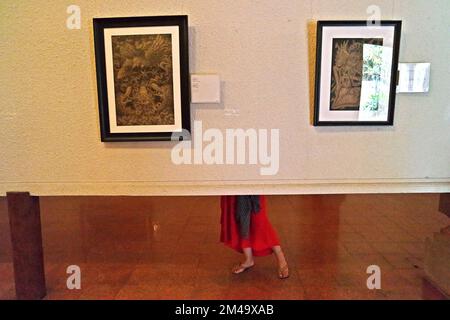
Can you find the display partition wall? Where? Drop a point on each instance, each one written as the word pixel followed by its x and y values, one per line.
pixel 142 73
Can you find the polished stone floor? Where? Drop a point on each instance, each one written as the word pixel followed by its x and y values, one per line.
pixel 168 248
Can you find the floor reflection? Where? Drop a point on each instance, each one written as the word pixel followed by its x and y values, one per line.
pixel 167 248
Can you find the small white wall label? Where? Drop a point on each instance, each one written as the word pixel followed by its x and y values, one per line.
pixel 413 77
pixel 205 88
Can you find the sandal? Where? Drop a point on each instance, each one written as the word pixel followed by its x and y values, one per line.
pixel 239 268
pixel 283 272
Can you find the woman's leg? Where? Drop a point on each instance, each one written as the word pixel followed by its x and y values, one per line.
pixel 248 257
pixel 281 259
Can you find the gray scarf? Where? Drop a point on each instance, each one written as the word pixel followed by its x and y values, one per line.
pixel 245 205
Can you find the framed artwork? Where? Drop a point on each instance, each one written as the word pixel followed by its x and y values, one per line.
pixel 142 69
pixel 356 72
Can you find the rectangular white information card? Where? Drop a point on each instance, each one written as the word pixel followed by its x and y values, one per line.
pixel 205 88
pixel 413 77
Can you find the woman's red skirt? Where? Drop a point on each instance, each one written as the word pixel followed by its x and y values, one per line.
pixel 262 236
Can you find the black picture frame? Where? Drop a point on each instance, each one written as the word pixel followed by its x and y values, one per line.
pixel 183 98
pixel 396 24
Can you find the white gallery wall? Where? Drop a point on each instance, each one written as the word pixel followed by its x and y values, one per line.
pixel 49 125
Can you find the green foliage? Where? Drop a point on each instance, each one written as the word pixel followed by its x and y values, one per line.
pixel 373 63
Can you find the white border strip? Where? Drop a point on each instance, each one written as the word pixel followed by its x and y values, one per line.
pixel 130 188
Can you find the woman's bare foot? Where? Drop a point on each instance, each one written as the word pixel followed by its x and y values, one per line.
pixel 244 266
pixel 283 271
